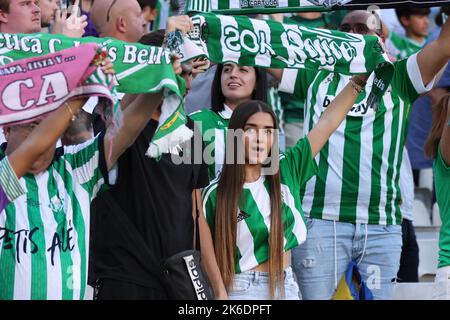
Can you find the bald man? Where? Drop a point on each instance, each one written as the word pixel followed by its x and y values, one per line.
pixel 353 206
pixel 119 19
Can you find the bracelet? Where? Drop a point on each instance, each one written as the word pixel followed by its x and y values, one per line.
pixel 358 81
pixel 74 117
pixel 356 86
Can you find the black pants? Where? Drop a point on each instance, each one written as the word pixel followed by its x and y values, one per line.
pixel 109 289
pixel 409 260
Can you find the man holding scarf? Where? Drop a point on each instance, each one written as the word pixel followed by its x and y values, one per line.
pixel 353 205
pixel 157 197
pixel 44 248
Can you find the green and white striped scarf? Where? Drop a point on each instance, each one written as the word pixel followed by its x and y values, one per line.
pixel 260 43
pixel 139 69
pixel 277 6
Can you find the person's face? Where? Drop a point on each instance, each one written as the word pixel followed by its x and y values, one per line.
pixel 417 24
pixel 258 137
pixel 136 25
pixel 237 82
pixel 24 16
pixel 357 22
pixel 48 9
pixel 187 74
pixel 16 135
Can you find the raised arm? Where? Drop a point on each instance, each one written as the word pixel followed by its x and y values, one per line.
pixel 135 117
pixel 335 113
pixel 43 136
pixel 433 57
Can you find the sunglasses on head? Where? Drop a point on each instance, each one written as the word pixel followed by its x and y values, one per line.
pixel 109 10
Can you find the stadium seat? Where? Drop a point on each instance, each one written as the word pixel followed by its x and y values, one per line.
pixel 426 179
pixel 421 215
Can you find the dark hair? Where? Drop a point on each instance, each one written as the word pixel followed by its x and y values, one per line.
pixel 150 3
pixel 154 38
pixel 408 11
pixel 229 191
pixel 217 97
pixel 439 120
pixel 4 5
pixel 438 18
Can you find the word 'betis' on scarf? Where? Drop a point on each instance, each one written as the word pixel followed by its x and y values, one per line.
pixel 139 69
pixel 270 44
pixel 279 6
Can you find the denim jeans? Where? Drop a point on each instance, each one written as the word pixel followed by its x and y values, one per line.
pixel 254 285
pixel 321 261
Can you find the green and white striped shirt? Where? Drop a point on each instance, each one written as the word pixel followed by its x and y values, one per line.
pixel 359 166
pixel 213 127
pixel 10 187
pixel 297 166
pixel 44 234
pixel 401 47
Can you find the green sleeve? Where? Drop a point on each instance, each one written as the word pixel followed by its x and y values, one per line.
pixel 9 181
pixel 402 80
pixel 299 161
pixel 209 197
pixel 297 82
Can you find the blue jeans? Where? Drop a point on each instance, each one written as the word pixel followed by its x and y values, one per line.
pixel 320 262
pixel 254 285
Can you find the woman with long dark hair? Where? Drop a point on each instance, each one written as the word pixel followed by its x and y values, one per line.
pixel 254 208
pixel 232 85
pixel 438 147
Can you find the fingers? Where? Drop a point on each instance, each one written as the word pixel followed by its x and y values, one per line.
pixel 57 15
pixel 75 8
pixel 182 23
pixel 64 15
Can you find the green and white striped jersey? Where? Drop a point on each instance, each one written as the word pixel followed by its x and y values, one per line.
pixel 213 127
pixel 401 47
pixel 10 187
pixel 297 166
pixel 44 234
pixel 359 166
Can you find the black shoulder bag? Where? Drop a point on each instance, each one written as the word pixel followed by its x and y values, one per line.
pixel 181 274
pixel 184 278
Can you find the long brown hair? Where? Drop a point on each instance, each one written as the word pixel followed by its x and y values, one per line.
pixel 439 120
pixel 229 192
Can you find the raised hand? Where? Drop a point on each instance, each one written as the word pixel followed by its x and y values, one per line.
pixel 72 26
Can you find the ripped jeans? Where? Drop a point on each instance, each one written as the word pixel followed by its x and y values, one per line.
pixel 320 262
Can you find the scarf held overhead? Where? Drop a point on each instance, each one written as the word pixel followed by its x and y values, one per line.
pixel 260 43
pixel 139 69
pixel 275 6
pixel 30 88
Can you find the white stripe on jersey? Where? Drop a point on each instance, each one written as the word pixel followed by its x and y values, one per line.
pixel 365 165
pixel 22 275
pixel 384 164
pixel 219 149
pixel 299 225
pixel 54 275
pixel 396 160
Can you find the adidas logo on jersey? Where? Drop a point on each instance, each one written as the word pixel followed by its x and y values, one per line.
pixel 242 215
